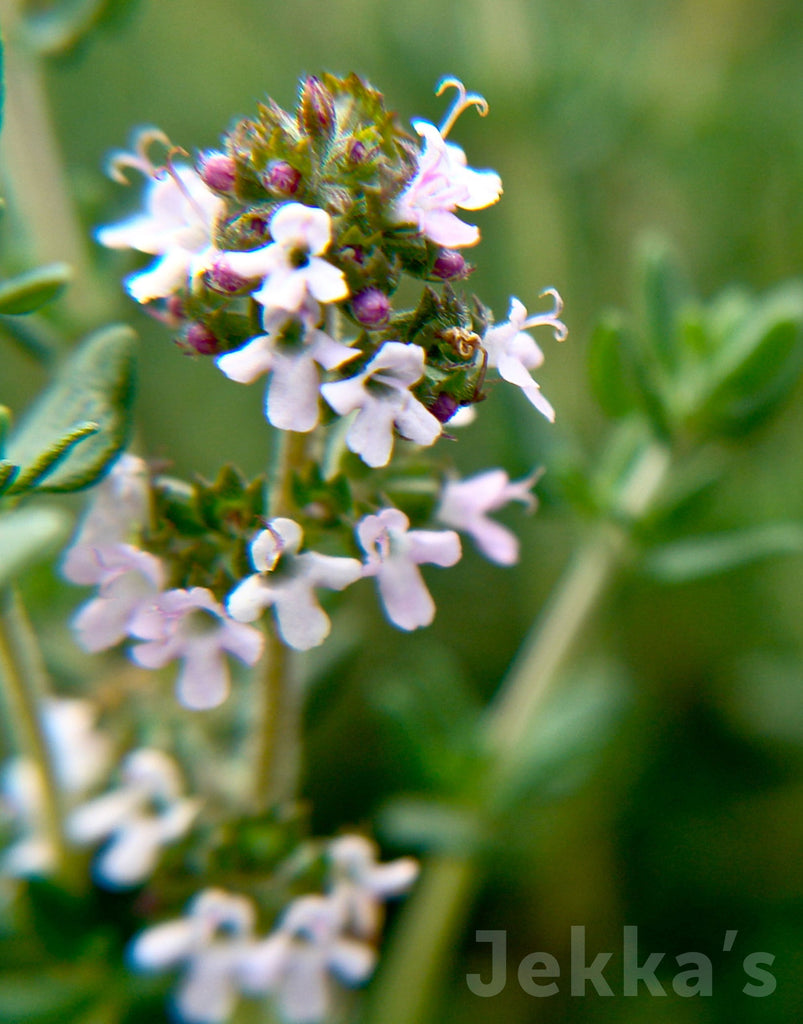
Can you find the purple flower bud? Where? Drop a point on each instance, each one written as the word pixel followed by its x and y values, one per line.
pixel 450 265
pixel 371 307
pixel 281 177
pixel 199 339
pixel 444 407
pixel 357 152
pixel 317 108
pixel 221 278
pixel 218 171
pixel 174 307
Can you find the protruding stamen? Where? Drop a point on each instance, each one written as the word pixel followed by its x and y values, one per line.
pixel 551 319
pixel 120 159
pixel 462 102
pixel 169 168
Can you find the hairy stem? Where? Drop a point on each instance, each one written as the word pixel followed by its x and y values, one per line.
pixel 19 668
pixel 408 986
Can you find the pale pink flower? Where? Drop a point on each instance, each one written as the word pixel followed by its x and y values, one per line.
pixel 298 963
pixel 193 626
pixel 381 397
pixel 286 581
pixel 127 577
pixel 291 352
pixel 119 509
pixel 514 353
pixel 80 756
pixel 145 813
pixel 360 884
pixel 291 265
pixel 211 943
pixel 394 553
pixel 465 505
pixel 442 183
pixel 177 225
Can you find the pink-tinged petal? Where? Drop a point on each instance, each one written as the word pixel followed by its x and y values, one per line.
pixel 177 820
pixel 131 855
pixel 541 404
pixel 154 654
pixel 207 994
pixel 296 225
pixel 483 188
pixel 446 229
pixel 304 991
pixel 204 680
pixel 288 532
pixel 495 541
pixel 162 278
pixel 353 962
pixel 345 396
pixel 284 288
pixel 397 364
pixel 511 370
pixel 325 282
pixel 407 601
pixel 392 879
pixel 260 967
pixel 163 946
pixel 438 547
pixel 245 364
pixel 101 623
pixel 416 423
pixel 332 572
pixel 371 434
pixel 250 598
pixel 254 264
pixel 293 393
pixel 301 621
pixel 526 350
pixel 329 353
pixel 98 818
pixel 244 642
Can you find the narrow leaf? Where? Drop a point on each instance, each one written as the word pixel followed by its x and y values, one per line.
pixel 27 292
pixel 95 386
pixel 39 469
pixel 698 557
pixel 609 369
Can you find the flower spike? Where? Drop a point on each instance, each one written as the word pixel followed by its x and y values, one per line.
pixel 462 102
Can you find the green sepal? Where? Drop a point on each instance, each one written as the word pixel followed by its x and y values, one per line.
pixel 27 292
pixel 53 443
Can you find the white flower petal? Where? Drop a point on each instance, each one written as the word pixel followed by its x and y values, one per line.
pixel 163 946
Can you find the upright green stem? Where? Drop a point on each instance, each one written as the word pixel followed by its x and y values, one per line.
pixel 24 722
pixel 407 987
pixel 276 754
pixel 36 176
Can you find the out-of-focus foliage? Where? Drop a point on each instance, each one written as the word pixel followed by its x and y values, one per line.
pixel 607 120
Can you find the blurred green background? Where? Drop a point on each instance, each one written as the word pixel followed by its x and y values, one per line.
pixel 607 119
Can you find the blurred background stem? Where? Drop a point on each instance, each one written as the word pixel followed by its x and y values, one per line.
pixel 428 934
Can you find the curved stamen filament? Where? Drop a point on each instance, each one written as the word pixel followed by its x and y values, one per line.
pixel 462 102
pixel 550 319
pixel 170 169
pixel 121 160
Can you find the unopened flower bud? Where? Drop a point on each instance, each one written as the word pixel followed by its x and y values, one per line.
pixel 174 307
pixel 199 339
pixel 444 407
pixel 371 307
pixel 218 171
pixel 450 265
pixel 281 177
pixel 357 152
pixel 221 278
pixel 317 108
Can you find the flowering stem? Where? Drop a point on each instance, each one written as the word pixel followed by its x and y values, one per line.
pixel 408 985
pixel 36 177
pixel 277 721
pixel 18 671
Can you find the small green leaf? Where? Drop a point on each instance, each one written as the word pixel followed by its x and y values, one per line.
pixel 663 295
pixel 698 557
pixel 43 465
pixel 95 386
pixel 29 536
pixel 609 368
pixel 27 292
pixel 58 26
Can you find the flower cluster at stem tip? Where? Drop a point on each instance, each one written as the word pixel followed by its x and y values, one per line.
pixel 282 254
